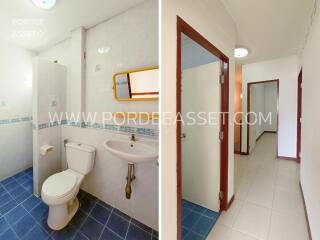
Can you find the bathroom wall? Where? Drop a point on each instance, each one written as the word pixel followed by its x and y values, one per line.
pixel 130 41
pixel 61 53
pixel 49 97
pixel 108 51
pixel 209 18
pixel 108 178
pixel 15 109
pixel 126 41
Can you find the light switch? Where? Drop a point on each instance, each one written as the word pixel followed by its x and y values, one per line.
pixel 53 101
pixel 3 104
pixel 98 68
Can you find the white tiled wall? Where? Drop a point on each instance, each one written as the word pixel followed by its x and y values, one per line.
pixel 15 103
pixel 49 85
pixel 132 40
pixel 108 179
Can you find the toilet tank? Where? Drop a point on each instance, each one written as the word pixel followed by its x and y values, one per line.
pixel 80 157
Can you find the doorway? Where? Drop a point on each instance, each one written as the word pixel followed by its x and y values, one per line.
pixel 202 152
pixel 299 117
pixel 262 111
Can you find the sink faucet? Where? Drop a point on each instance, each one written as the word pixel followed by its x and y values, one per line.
pixel 133 137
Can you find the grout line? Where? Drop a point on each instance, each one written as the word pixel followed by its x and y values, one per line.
pixel 114 232
pixel 141 227
pixel 128 228
pixel 105 225
pixel 78 229
pixel 17 205
pixel 237 214
pixel 214 220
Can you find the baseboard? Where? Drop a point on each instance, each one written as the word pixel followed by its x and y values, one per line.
pixel 305 211
pixel 287 158
pixel 264 133
pixel 230 202
pixel 259 136
pixel 244 153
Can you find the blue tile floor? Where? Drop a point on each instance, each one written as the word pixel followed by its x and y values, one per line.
pixel 24 216
pixel 197 221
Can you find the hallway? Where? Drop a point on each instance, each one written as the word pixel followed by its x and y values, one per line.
pixel 268 203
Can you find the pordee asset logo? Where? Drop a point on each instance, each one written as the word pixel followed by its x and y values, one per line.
pixel 166 118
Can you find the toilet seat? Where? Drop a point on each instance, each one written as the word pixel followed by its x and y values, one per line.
pixel 59 188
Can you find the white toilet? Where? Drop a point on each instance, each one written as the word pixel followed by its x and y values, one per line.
pixel 60 190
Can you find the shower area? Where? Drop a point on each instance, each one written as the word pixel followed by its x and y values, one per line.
pixel 15 110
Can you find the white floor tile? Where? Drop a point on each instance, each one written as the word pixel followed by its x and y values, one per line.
pixel 288 202
pixel 261 194
pixel 288 168
pixel 287 227
pixel 236 235
pixel 268 203
pixel 219 232
pixel 287 183
pixel 242 190
pixel 228 218
pixel 253 220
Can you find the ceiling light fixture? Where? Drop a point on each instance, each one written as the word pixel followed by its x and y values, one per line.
pixel 241 52
pixel 44 4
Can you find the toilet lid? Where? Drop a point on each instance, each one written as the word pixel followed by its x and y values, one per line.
pixel 59 184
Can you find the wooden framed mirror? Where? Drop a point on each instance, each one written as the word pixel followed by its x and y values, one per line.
pixel 137 85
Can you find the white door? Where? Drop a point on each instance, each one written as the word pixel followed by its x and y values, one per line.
pixel 252 128
pixel 201 144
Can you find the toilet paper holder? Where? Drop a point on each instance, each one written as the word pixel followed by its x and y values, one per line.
pixel 46 149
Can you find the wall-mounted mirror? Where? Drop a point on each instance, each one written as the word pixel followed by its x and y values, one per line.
pixel 137 85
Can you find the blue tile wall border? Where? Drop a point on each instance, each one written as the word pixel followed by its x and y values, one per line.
pixel 110 127
pixel 15 120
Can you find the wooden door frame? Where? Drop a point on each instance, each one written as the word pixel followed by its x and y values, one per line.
pixel 185 28
pixel 235 151
pixel 299 115
pixel 248 110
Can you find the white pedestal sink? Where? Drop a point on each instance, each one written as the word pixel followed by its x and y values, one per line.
pixel 131 151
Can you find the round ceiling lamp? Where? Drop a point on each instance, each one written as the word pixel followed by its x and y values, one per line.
pixel 44 4
pixel 241 52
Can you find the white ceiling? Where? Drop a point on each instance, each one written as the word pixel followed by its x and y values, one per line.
pixel 24 24
pixel 270 28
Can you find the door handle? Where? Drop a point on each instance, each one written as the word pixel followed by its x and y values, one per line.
pixel 183 135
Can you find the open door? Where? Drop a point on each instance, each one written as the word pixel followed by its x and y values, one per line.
pixel 210 94
pixel 200 93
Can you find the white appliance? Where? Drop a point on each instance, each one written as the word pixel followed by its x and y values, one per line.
pixel 60 190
